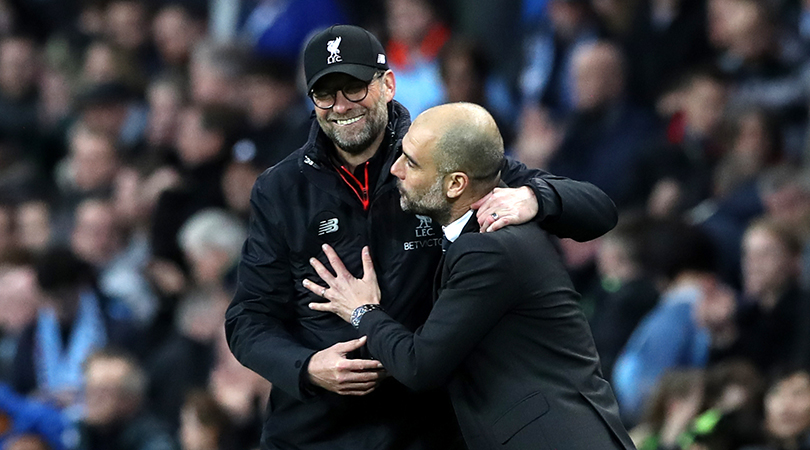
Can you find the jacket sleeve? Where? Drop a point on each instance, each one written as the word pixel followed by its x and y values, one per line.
pixel 256 322
pixel 567 208
pixel 462 315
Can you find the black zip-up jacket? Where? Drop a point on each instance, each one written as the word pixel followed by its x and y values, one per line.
pixel 302 203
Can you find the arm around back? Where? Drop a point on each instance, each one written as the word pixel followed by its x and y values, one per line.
pixel 567 208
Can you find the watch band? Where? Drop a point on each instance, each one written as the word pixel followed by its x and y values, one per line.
pixel 358 313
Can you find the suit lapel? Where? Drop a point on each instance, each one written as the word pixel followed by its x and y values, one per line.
pixel 442 273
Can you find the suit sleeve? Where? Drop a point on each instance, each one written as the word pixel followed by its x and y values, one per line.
pixel 476 296
pixel 567 208
pixel 255 322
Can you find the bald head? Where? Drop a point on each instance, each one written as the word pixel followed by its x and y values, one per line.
pixel 467 140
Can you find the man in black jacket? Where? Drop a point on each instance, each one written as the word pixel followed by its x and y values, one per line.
pixel 337 189
pixel 506 333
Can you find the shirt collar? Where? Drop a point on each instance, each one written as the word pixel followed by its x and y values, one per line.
pixel 453 231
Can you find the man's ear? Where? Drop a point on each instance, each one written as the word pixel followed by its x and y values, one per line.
pixel 455 184
pixel 389 85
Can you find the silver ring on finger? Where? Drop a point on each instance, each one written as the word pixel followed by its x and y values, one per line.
pixel 494 216
pixel 323 292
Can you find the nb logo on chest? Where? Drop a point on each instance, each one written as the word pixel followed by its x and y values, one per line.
pixel 328 226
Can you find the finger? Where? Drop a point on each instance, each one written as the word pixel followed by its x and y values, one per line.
pixel 322 271
pixel 484 222
pixel 498 224
pixel 348 346
pixel 325 306
pixel 363 365
pixel 360 389
pixel 334 260
pixel 368 266
pixel 315 288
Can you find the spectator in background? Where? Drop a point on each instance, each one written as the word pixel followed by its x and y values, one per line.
pixel 787 412
pixel 73 321
pixel 126 25
pixel 115 109
pixel 214 73
pixel 18 308
pixel 277 117
pixel 762 73
pixel 211 241
pixel 667 36
pixel 178 26
pixel 756 145
pixel 547 77
pixel 101 239
pixel 754 149
pixel 465 75
pixel 204 425
pixel 607 136
pixel 771 319
pixel 623 293
pixel 204 139
pixel 670 409
pixel 243 395
pixel 668 337
pixel 166 97
pixel 191 345
pixel 237 182
pixel 33 225
pixel 19 69
pixel 20 135
pixel 732 407
pixel 106 63
pixel 416 36
pixel 115 415
pixel 88 171
pixel 679 175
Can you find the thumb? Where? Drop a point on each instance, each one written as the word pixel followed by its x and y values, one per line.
pixel 349 346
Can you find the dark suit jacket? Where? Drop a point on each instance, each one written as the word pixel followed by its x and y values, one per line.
pixel 508 338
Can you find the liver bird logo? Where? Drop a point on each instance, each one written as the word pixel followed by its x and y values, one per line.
pixel 334 51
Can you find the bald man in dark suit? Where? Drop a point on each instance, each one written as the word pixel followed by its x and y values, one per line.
pixel 506 334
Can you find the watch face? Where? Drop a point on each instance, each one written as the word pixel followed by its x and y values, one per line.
pixel 358 312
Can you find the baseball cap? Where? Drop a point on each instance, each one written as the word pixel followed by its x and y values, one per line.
pixel 343 49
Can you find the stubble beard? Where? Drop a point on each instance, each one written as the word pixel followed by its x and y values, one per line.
pixel 431 203
pixel 352 142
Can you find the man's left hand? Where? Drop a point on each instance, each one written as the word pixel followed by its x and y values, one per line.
pixel 506 206
pixel 345 292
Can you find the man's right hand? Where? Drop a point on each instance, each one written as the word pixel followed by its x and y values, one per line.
pixel 331 370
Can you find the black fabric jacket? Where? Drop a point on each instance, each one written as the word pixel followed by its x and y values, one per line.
pixel 301 203
pixel 508 338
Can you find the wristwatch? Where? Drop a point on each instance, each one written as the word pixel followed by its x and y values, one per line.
pixel 358 312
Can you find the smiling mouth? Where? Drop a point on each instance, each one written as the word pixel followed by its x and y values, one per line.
pixel 348 121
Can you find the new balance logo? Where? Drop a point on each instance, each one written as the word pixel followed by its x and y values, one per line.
pixel 327 226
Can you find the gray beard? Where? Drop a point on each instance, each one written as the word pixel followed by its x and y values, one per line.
pixel 431 204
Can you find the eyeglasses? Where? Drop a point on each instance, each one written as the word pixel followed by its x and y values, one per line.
pixel 355 91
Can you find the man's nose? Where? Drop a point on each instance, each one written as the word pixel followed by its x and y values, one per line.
pixel 396 168
pixel 342 104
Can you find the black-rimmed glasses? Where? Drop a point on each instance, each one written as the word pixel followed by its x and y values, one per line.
pixel 354 91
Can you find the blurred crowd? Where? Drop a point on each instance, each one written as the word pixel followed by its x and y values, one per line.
pixel 131 132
